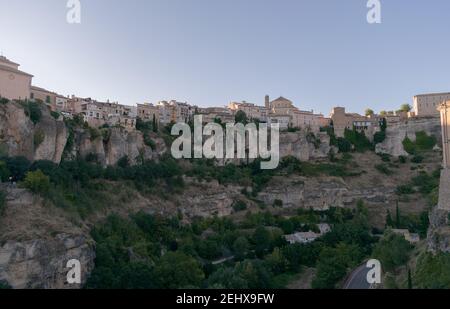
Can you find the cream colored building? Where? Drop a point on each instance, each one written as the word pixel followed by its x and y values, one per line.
pixel 426 105
pixel 147 112
pixel 282 106
pixel 44 95
pixel 14 84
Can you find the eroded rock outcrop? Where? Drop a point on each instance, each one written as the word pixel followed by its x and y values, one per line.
pixel 438 239
pixel 19 136
pixel 304 146
pixel 16 131
pixel 321 193
pixel 37 241
pixel 396 133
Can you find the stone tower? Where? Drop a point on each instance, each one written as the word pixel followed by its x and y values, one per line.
pixel 267 102
pixel 444 187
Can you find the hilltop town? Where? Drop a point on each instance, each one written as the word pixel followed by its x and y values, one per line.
pixel 17 85
pixel 84 173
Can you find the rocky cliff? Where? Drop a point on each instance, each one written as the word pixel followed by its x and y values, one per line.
pixel 396 133
pixel 439 232
pixel 48 138
pixel 37 241
pixel 304 146
pixel 321 193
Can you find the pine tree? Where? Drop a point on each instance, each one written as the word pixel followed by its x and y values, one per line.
pixel 410 285
pixel 397 219
pixel 155 126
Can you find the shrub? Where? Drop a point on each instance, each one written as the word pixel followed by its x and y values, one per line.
pixel 405 189
pixel 379 137
pixel 385 157
pixel 37 182
pixel 278 203
pixel 425 142
pixel 4 100
pixel 123 162
pixel 55 115
pixel 39 137
pixel 382 168
pixel 239 205
pixel 402 159
pixel 149 142
pixel 343 145
pixel 417 159
pixel 393 251
pixel 409 146
pixel 33 110
pixel 94 133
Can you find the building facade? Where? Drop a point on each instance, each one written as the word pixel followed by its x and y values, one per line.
pixel 14 84
pixel 426 105
pixel 45 96
pixel 342 121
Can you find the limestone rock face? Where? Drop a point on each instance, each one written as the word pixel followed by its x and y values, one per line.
pixel 396 133
pixel 20 137
pixel 41 263
pixel 37 241
pixel 304 146
pixel 320 193
pixel 118 144
pixel 54 134
pixel 16 131
pixel 438 239
pixel 208 199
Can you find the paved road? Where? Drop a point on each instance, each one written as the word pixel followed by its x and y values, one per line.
pixel 358 279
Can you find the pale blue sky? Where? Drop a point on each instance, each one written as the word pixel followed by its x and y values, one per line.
pixel 319 53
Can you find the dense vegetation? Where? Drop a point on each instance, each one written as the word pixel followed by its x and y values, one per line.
pixel 432 271
pixel 423 143
pixel 148 251
pixel 424 183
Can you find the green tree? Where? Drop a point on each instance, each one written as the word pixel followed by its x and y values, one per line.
pixel 405 108
pixel 178 270
pixel 241 117
pixel 369 112
pixel 410 283
pixel 276 262
pixel 262 240
pixel 392 250
pixel 433 271
pixel 240 247
pixel 37 182
pixel 155 124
